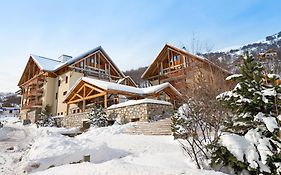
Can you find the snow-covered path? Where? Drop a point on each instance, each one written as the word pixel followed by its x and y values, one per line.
pixel 14 141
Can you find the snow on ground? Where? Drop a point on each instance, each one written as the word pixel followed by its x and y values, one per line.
pixel 44 151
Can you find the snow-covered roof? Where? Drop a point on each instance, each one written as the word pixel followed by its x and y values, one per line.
pixel 49 64
pixel 44 63
pixel 135 102
pixel 123 89
pixel 127 77
pixel 120 87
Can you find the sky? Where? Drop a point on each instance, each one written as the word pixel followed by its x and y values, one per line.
pixel 132 32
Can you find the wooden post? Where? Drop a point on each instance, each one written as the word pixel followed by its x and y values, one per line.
pixel 95 60
pixel 67 109
pixel 99 63
pixel 105 101
pixel 109 72
pixel 87 158
pixel 84 101
pixel 161 68
pixel 84 105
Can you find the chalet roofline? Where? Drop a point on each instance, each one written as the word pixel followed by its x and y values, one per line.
pixel 61 64
pixel 110 86
pixel 85 54
pixel 205 60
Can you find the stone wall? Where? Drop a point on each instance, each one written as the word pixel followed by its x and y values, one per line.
pixel 138 112
pixel 74 120
pixel 141 112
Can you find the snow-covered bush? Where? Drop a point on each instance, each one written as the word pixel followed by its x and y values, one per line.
pixel 98 117
pixel 197 123
pixel 46 120
pixel 250 143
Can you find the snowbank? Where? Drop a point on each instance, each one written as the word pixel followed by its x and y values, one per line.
pixel 53 149
pixel 140 155
pixel 120 168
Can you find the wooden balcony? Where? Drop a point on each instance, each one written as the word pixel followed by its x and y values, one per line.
pixel 34 92
pixel 32 104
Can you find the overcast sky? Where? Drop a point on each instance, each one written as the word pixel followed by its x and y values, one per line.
pixel 132 32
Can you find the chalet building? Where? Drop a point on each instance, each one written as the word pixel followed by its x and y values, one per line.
pixel 69 85
pixel 185 71
pixel 269 54
pixel 46 81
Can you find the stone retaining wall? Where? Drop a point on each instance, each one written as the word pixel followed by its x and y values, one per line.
pixel 74 120
pixel 141 112
pixel 138 112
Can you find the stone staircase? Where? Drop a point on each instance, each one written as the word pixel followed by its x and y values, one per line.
pixel 160 127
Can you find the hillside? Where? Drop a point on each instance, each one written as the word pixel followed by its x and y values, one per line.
pixel 229 57
pixel 9 99
pixel 135 74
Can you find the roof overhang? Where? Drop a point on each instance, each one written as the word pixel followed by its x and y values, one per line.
pixel 119 89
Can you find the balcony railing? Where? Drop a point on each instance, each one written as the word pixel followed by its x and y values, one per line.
pixel 32 104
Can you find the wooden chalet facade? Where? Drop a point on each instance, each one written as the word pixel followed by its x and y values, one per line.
pixel 185 71
pixel 46 81
pixel 70 85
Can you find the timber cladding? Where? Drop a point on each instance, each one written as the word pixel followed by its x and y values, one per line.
pixel 186 71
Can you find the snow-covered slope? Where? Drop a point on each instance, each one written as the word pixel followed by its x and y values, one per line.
pixel 137 154
pixel 45 152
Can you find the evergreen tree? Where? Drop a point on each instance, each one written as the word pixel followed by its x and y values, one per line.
pixel 46 119
pixel 255 103
pixel 98 117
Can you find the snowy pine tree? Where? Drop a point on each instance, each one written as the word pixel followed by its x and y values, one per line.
pixel 98 117
pixel 46 119
pixel 251 142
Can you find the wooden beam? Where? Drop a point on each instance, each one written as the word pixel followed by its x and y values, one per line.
pixel 67 109
pixel 90 92
pixel 31 79
pixel 105 101
pixel 96 95
pixel 92 87
pixel 87 98
pixel 81 88
pixel 99 63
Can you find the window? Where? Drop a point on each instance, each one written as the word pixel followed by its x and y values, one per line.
pixel 64 93
pixel 74 111
pixel 61 113
pixel 56 96
pixel 59 83
pixel 66 79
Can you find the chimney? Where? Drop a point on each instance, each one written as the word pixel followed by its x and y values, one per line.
pixel 64 58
